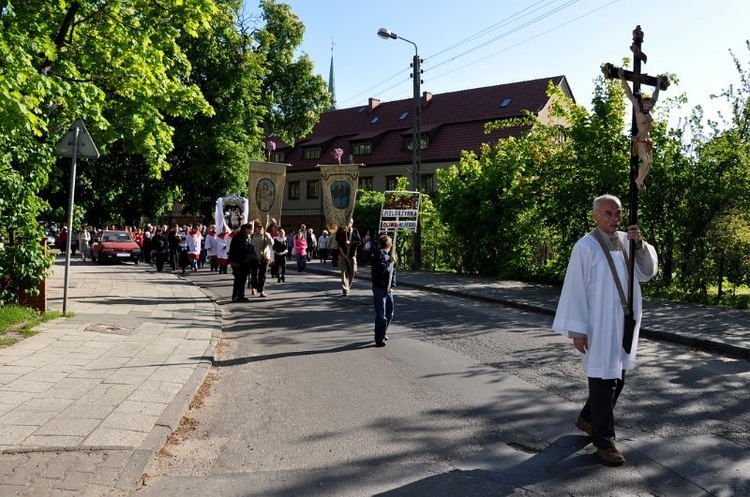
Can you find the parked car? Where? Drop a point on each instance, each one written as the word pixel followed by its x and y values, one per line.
pixel 114 246
pixel 50 237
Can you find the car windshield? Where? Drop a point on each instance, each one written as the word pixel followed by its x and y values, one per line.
pixel 116 237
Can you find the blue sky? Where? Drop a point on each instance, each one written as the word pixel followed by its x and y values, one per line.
pixel 474 43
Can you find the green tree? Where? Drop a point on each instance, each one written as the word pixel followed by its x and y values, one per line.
pixel 701 207
pixel 367 211
pixel 714 193
pixel 292 96
pixel 594 162
pixel 517 209
pixel 248 70
pixel 488 204
pixel 117 66
pixel 212 153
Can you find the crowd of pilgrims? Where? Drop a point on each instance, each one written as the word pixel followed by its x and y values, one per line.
pixel 191 247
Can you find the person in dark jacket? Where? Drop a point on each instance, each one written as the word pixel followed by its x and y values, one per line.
pixel 161 249
pixel 280 249
pixel 383 283
pixel 239 258
pixel 173 238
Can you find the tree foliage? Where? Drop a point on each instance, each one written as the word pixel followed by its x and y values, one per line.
pixel 491 202
pixel 114 64
pixel 291 96
pixel 248 70
pixel 177 95
pixel 367 211
pixel 517 208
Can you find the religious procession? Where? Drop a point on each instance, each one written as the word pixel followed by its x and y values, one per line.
pixel 234 241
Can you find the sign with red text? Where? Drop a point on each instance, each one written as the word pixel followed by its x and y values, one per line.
pixel 399 211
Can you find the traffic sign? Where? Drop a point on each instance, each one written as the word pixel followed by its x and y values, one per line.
pixel 86 147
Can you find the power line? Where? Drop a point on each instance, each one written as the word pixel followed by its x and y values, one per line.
pixel 481 33
pixel 523 13
pixel 375 87
pixel 509 32
pixel 526 40
pixel 491 28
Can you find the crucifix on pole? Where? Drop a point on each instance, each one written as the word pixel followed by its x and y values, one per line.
pixel 642 147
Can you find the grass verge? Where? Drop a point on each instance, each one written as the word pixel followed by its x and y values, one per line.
pixel 17 322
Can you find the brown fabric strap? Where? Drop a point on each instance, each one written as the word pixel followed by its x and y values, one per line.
pixel 618 283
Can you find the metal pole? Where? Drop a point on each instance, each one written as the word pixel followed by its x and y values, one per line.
pixel 416 263
pixel 416 172
pixel 417 145
pixel 70 219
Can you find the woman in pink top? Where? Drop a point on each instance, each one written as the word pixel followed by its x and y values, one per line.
pixel 300 249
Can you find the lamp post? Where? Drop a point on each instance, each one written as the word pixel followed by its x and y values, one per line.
pixel 416 142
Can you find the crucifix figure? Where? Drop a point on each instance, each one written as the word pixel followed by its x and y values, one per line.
pixel 642 148
pixel 642 143
pixel 642 105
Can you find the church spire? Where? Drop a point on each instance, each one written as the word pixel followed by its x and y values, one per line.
pixel 332 82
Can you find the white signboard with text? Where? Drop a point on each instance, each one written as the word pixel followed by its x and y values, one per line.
pixel 399 212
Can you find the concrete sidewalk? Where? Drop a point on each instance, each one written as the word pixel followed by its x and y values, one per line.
pixel 719 330
pixel 89 400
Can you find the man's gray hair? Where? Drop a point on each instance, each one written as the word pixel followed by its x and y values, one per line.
pixel 598 201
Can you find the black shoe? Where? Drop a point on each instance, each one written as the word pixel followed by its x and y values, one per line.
pixel 243 299
pixel 380 344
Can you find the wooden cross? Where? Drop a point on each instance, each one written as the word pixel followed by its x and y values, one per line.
pixel 659 83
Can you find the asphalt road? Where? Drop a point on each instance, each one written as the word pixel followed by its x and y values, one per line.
pixel 468 398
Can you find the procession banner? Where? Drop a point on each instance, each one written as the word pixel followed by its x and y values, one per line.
pixel 339 185
pixel 399 211
pixel 231 211
pixel 266 191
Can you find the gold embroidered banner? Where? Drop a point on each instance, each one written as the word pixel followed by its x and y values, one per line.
pixel 266 190
pixel 339 185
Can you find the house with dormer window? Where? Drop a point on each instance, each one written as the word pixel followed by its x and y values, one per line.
pixel 379 136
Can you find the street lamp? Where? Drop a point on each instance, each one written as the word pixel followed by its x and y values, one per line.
pixel 416 142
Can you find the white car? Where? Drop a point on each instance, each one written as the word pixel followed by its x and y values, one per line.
pixel 50 237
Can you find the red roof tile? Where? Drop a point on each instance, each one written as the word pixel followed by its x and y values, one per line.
pixel 454 122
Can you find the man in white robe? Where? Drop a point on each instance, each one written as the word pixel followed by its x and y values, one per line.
pixel 590 311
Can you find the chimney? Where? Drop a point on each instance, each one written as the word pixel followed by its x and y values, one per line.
pixel 374 102
pixel 426 98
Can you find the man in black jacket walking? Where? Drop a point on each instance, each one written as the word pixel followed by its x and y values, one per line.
pixel 161 246
pixel 239 258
